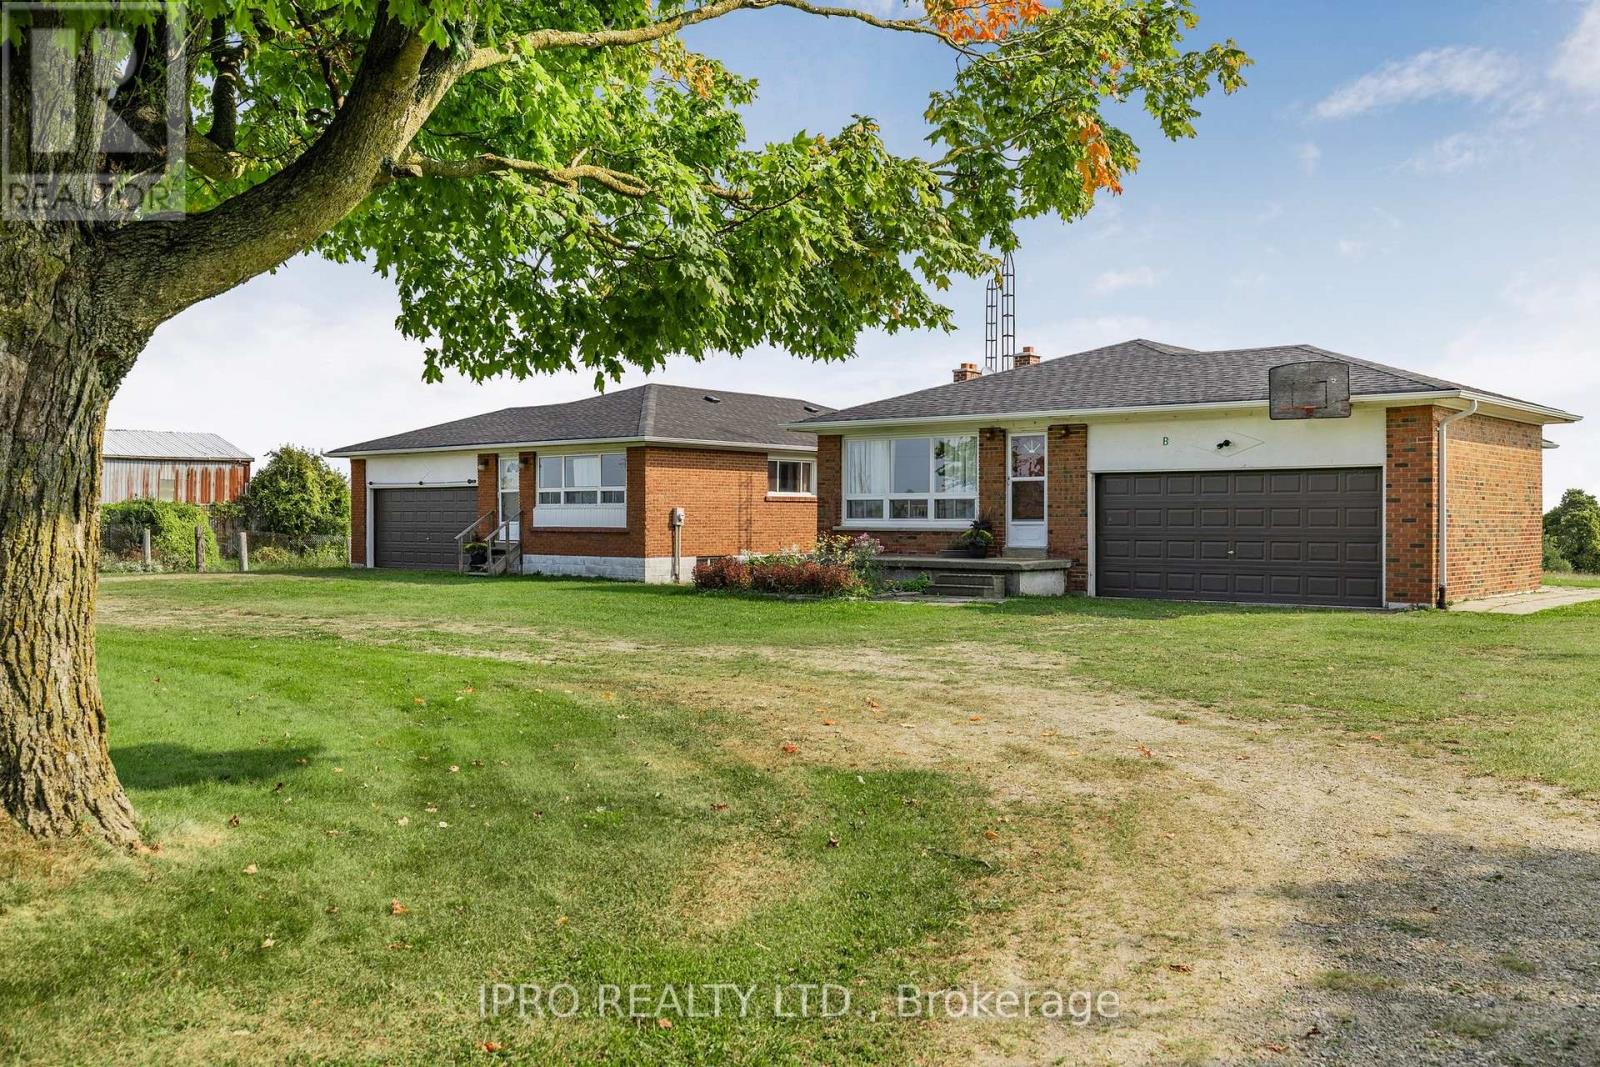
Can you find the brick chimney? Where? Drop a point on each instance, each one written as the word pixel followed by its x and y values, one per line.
pixel 968 371
pixel 1026 358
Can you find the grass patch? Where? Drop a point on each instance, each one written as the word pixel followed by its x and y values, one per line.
pixel 1342 981
pixel 300 786
pixel 1510 693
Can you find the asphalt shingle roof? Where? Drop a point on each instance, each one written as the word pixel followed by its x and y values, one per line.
pixel 669 412
pixel 1134 374
pixel 170 444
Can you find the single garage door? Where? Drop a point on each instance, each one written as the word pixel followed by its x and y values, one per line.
pixel 1272 536
pixel 417 528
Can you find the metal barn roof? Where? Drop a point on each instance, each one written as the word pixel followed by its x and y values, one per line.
pixel 171 444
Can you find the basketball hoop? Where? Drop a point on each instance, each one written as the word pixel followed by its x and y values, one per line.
pixel 1315 389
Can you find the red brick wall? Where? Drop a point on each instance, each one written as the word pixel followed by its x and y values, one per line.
pixel 527 492
pixel 992 463
pixel 358 512
pixel 1068 501
pixel 726 509
pixel 1495 470
pixel 1410 499
pixel 488 491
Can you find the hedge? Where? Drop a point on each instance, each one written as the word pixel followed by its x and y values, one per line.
pixel 171 524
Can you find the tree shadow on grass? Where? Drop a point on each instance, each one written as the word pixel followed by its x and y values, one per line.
pixel 163 765
pixel 1450 953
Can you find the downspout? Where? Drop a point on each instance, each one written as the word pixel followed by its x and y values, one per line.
pixel 1444 499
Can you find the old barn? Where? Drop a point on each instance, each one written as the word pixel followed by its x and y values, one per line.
pixel 200 468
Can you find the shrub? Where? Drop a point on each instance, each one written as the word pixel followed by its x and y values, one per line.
pixel 806 578
pixel 1554 561
pixel 171 524
pixel 723 572
pixel 281 558
pixel 297 493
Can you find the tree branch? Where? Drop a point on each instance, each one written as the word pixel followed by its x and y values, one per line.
pixel 539 40
pixel 629 185
pixel 157 269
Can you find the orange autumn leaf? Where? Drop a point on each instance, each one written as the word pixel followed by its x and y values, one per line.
pixel 790 747
pixel 966 21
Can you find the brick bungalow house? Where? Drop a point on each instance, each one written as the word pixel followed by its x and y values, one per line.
pixel 1149 470
pixel 590 487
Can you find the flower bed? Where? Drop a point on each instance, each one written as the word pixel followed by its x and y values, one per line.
pixel 835 566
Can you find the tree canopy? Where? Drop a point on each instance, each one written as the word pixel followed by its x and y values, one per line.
pixel 571 185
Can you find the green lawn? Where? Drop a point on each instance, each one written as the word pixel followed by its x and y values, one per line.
pixel 524 767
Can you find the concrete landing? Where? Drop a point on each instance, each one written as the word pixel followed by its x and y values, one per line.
pixel 1542 599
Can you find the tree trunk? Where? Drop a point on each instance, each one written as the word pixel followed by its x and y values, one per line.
pixel 56 776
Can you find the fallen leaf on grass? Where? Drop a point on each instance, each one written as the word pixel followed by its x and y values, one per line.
pixel 827 722
pixel 561 920
pixel 991 835
pixel 719 807
pixel 267 942
pixel 251 869
pixel 455 768
pixel 1274 1047
pixel 833 842
pixel 790 748
pixel 665 1024
pixel 1181 968
pixel 404 820
pixel 874 705
pixel 444 825
pixel 1144 752
pixel 397 908
pixel 418 700
pixel 491 1047
pixel 975 718
pixel 233 820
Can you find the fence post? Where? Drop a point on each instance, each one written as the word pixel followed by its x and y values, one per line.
pixel 144 537
pixel 244 552
pixel 199 551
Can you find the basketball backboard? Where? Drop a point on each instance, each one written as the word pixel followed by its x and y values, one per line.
pixel 1317 389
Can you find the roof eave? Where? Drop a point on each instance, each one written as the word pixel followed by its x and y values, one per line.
pixel 1546 414
pixel 355 452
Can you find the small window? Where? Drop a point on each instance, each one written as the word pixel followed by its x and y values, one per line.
pixel 168 486
pixel 793 477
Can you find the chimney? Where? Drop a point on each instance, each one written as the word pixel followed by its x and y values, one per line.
pixel 1026 358
pixel 968 371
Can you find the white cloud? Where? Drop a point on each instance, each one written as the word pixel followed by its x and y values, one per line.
pixel 1350 248
pixel 1116 280
pixel 1455 152
pixel 1578 62
pixel 1465 73
pixel 1310 157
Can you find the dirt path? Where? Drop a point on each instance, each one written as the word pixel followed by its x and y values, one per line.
pixel 1255 893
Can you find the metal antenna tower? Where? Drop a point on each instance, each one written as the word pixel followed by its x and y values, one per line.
pixel 1000 319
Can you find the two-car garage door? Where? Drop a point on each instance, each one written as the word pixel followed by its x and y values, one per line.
pixel 1270 536
pixel 417 527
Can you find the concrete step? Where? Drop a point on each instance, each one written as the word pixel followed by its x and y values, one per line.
pixel 973 585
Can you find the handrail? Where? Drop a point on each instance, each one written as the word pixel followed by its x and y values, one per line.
pixel 477 522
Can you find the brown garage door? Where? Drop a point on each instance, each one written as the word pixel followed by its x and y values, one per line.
pixel 1272 536
pixel 416 528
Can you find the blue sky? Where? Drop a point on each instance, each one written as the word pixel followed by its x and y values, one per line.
pixel 1414 183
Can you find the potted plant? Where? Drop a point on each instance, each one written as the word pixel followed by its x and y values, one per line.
pixel 477 553
pixel 976 540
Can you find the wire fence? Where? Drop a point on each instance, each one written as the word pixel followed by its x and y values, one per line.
pixel 127 547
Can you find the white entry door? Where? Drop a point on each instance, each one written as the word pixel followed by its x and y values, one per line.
pixel 510 499
pixel 1025 524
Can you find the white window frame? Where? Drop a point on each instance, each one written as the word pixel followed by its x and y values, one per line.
pixel 932 522
pixel 598 488
pixel 811 476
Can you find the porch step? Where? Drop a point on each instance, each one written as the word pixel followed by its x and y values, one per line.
pixel 970 584
pixel 1022 553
